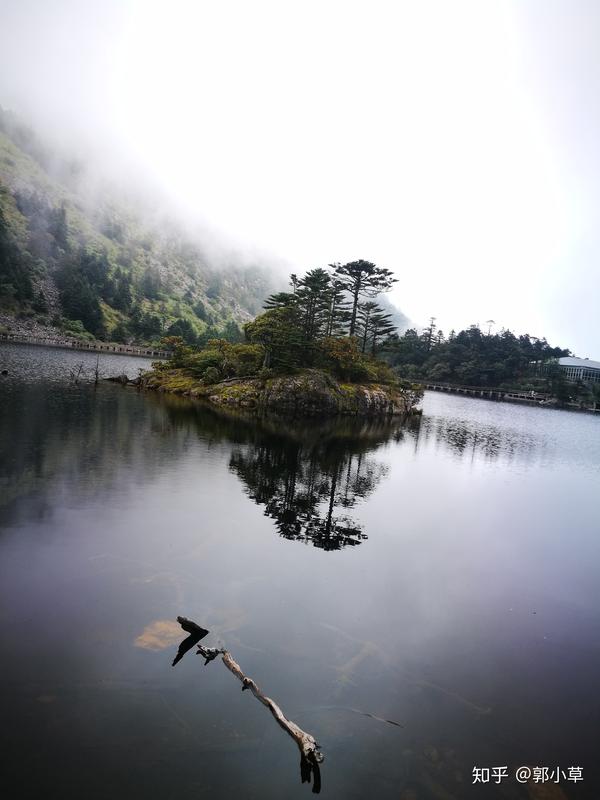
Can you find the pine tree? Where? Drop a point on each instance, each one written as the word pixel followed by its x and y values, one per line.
pixel 373 325
pixel 338 314
pixel 15 280
pixel 382 327
pixel 362 279
pixel 57 226
pixel 363 328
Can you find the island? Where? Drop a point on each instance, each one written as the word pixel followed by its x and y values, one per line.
pixel 313 352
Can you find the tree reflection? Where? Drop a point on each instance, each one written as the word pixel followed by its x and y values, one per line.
pixel 305 473
pixel 304 486
pixel 474 438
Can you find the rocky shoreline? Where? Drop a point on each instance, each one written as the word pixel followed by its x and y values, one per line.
pixel 309 393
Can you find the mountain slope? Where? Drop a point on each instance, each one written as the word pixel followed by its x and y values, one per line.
pixel 88 264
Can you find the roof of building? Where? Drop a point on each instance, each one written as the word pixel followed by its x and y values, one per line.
pixel 570 361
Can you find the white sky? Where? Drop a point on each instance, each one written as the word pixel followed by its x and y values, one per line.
pixel 456 143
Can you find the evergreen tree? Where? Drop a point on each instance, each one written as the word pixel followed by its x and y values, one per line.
pixel 319 304
pixel 200 310
pixel 151 284
pixel 15 280
pixel 122 298
pixel 80 300
pixel 95 267
pixel 183 328
pixel 470 357
pixel 381 328
pixel 373 325
pixel 338 313
pixel 232 332
pixel 362 279
pixel 120 333
pixel 312 300
pixel 279 331
pixel 57 226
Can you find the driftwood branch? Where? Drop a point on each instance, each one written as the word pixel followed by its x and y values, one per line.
pixel 310 753
pixel 195 634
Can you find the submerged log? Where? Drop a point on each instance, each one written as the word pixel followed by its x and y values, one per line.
pixel 310 753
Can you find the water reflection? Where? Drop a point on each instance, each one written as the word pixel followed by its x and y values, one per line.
pixel 466 439
pixel 123 511
pixel 301 487
pixel 75 441
pixel 305 476
pixel 483 431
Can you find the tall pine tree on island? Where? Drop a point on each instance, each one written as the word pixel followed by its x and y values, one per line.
pixel 362 279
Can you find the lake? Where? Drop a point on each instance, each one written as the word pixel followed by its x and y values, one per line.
pixel 443 574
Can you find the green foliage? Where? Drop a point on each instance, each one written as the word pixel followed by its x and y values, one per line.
pixel 184 328
pixel 594 392
pixel 557 382
pixel 303 328
pixel 122 297
pixel 218 360
pixel 79 298
pixel 120 333
pixel 15 272
pixel 279 332
pixel 319 305
pixel 247 359
pixel 76 327
pixel 180 352
pixel 211 375
pixel 343 358
pixel 200 311
pixel 470 357
pixel 116 273
pixel 372 325
pixel 49 230
pixel 266 373
pixel 199 362
pixel 145 325
pixel 232 332
pixel 151 284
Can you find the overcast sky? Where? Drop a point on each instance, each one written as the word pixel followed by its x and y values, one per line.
pixel 456 143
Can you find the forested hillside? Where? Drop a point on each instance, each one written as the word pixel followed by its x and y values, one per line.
pixel 76 259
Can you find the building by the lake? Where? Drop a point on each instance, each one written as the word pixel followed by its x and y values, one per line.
pixel 580 369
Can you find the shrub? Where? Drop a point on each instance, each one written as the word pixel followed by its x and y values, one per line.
pixel 211 375
pixel 383 372
pixel 342 357
pixel 265 373
pixel 247 358
pixel 198 363
pixel 181 352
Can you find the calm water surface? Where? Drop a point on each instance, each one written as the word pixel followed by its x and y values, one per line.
pixel 444 575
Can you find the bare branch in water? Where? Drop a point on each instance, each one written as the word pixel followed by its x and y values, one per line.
pixel 195 634
pixel 310 753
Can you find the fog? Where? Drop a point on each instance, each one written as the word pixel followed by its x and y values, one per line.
pixel 454 143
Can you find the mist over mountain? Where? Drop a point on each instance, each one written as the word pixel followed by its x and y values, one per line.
pixel 77 250
pixel 95 256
